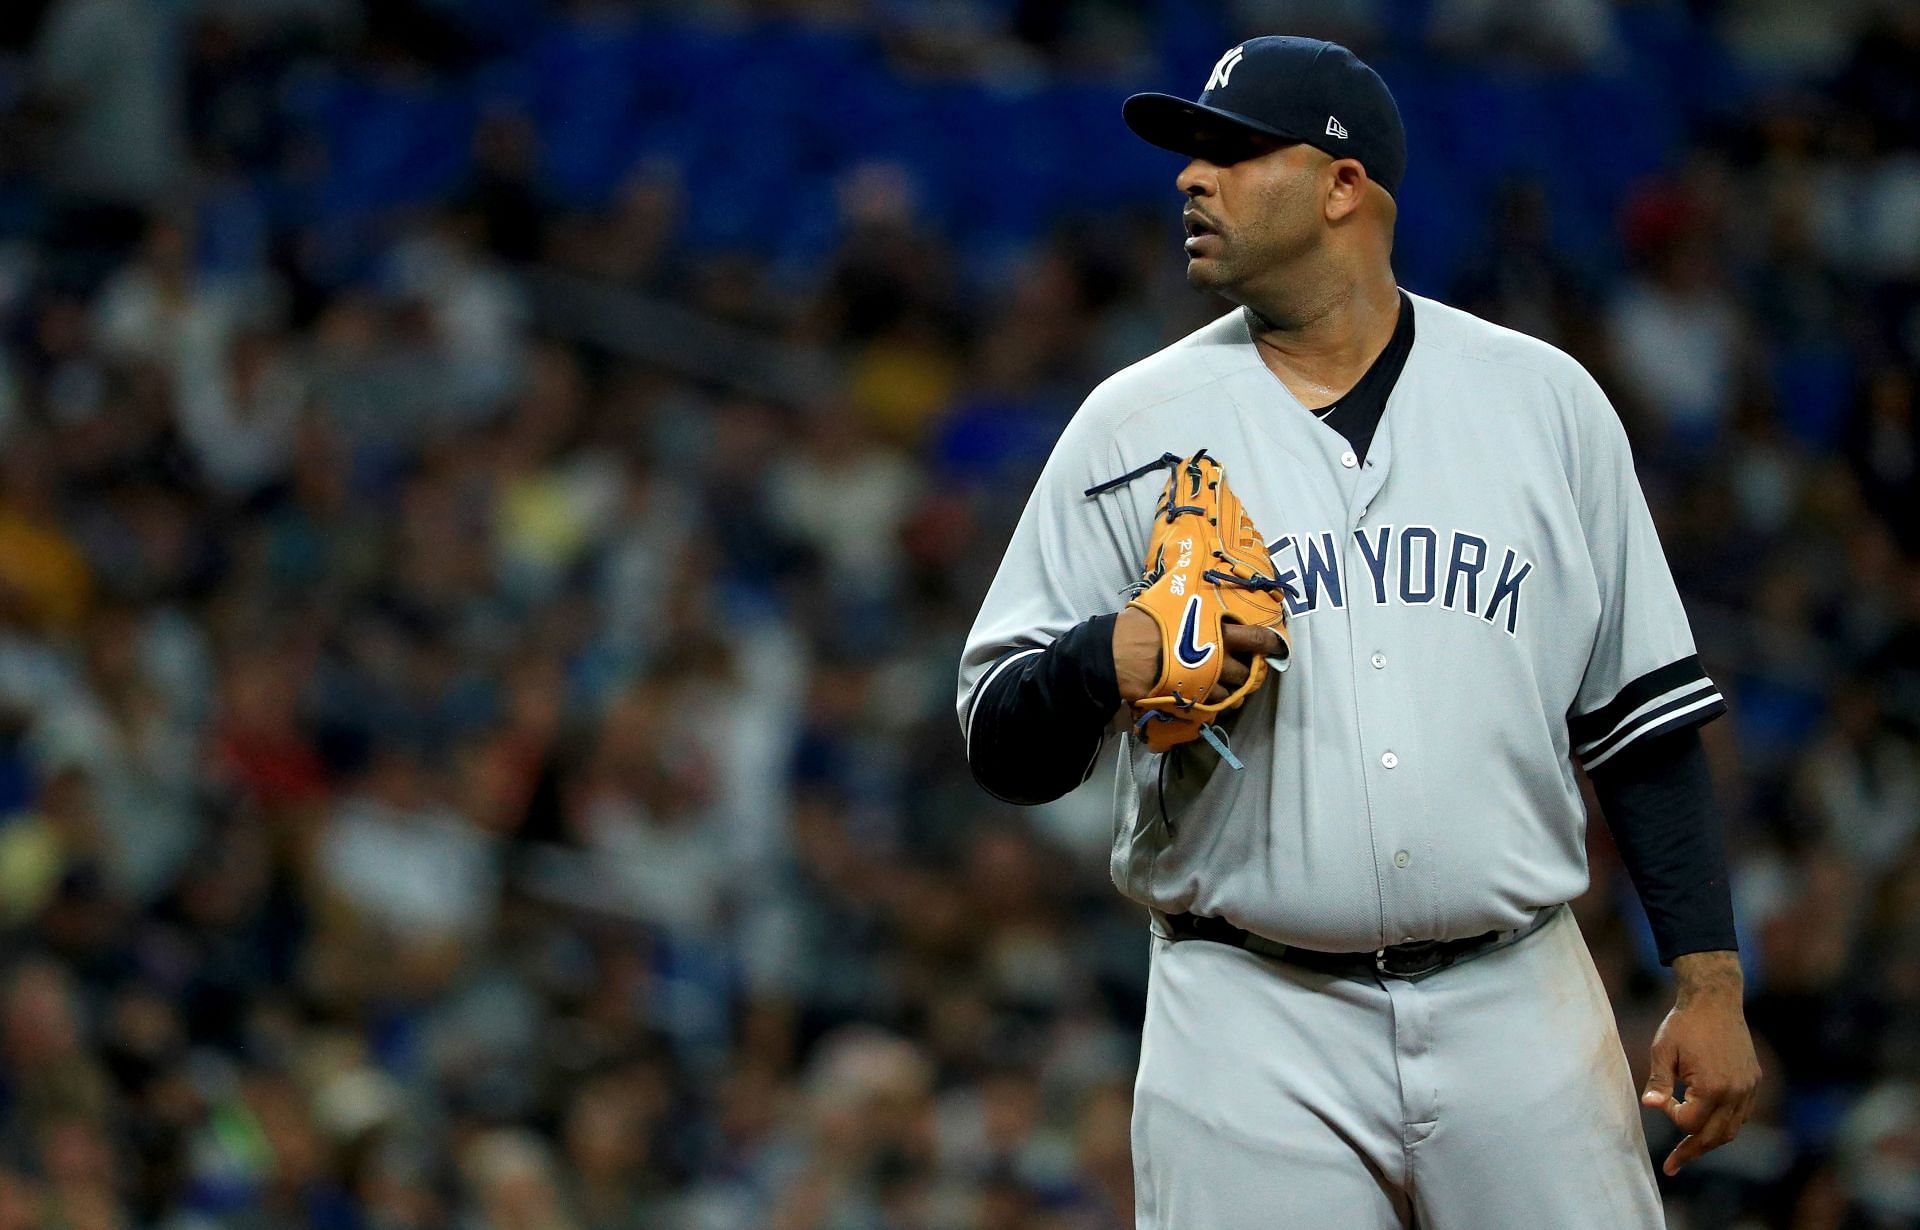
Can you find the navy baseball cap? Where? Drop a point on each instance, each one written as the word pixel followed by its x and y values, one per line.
pixel 1292 89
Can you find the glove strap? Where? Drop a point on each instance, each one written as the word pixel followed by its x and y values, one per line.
pixel 1219 741
pixel 1211 733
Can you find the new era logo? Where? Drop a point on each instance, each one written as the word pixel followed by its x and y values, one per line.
pixel 1224 69
pixel 1336 129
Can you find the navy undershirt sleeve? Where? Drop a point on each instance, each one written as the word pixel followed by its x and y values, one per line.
pixel 1037 725
pixel 1657 796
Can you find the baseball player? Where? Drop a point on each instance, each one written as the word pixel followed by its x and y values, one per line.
pixel 1369 1004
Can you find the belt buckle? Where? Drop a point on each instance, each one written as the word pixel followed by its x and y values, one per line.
pixel 1427 954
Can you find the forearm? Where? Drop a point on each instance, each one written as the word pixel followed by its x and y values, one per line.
pixel 1038 724
pixel 1659 804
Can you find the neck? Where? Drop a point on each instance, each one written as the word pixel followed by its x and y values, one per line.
pixel 1322 345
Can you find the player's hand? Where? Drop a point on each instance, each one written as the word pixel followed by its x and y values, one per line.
pixel 1242 642
pixel 1136 654
pixel 1704 1046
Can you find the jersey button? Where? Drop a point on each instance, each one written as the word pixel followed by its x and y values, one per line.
pixel 1401 858
pixel 1389 759
pixel 1348 460
pixel 1379 661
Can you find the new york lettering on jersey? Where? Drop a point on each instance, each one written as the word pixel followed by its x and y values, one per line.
pixel 1412 565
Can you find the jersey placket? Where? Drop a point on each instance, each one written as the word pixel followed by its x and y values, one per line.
pixel 1386 726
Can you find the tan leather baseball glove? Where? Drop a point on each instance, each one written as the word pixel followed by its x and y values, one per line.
pixel 1206 566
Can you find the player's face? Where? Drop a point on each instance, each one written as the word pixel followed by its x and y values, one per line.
pixel 1253 209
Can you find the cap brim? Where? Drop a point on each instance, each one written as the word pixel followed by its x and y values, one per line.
pixel 1187 127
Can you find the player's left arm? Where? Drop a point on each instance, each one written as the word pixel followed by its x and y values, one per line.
pixel 1658 801
pixel 1634 727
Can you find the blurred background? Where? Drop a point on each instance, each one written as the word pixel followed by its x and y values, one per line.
pixel 491 493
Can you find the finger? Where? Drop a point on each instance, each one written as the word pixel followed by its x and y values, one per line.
pixel 1714 1130
pixel 1693 1114
pixel 1723 1127
pixel 1743 1112
pixel 1217 695
pixel 1717 1131
pixel 1659 1090
pixel 1246 640
pixel 1233 673
pixel 1738 1120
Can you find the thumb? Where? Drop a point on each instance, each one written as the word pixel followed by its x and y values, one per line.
pixel 1659 1090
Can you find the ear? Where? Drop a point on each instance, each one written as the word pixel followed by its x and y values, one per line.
pixel 1346 188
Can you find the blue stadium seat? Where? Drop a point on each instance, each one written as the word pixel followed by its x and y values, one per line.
pixel 1813 387
pixel 388 142
pixel 590 82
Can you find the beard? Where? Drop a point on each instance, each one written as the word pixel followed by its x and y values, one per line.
pixel 1212 274
pixel 1225 259
pixel 1259 256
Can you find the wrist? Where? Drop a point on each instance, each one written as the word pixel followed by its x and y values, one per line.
pixel 1708 977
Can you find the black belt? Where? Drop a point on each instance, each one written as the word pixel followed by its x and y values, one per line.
pixel 1411 960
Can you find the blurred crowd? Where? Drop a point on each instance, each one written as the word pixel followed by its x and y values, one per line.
pixel 469 763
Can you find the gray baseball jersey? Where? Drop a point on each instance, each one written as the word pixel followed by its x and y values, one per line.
pixel 1481 600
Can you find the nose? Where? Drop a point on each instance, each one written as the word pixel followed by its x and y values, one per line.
pixel 1197 179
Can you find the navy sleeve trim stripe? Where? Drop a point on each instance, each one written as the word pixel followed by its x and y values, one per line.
pixel 986 681
pixel 1666 699
pixel 1590 728
pixel 1663 703
pixel 1674 717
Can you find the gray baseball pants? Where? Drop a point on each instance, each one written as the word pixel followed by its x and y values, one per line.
pixel 1493 1094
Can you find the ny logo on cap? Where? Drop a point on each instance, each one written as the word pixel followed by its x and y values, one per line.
pixel 1224 69
pixel 1336 129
